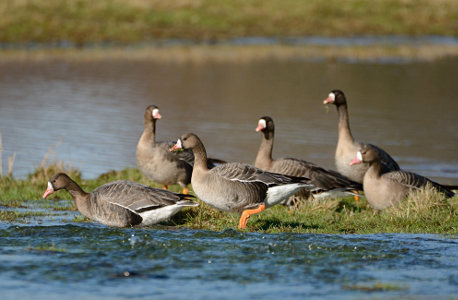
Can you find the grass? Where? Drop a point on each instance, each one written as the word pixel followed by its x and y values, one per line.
pixel 201 54
pixel 423 212
pixel 47 249
pixel 82 22
pixel 14 216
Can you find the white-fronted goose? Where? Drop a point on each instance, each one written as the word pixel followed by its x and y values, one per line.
pixel 155 160
pixel 331 183
pixel 387 189
pixel 347 146
pixel 237 187
pixel 122 203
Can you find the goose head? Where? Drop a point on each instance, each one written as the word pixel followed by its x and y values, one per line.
pixel 336 97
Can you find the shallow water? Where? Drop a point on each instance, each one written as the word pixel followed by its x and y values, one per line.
pixel 94 110
pixel 49 259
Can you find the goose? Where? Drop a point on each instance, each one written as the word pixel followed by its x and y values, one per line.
pixel 347 146
pixel 383 190
pixel 237 187
pixel 122 203
pixel 157 163
pixel 331 183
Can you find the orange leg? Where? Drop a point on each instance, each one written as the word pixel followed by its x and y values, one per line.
pixel 356 198
pixel 247 213
pixel 185 191
pixel 166 187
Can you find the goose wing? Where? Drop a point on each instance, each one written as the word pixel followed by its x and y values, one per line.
pixel 136 197
pixel 185 155
pixel 249 174
pixel 320 177
pixel 415 181
pixel 388 163
pixel 246 185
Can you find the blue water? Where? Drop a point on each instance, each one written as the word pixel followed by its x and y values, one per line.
pixel 91 261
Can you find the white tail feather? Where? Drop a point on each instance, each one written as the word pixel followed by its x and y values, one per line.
pixel 278 193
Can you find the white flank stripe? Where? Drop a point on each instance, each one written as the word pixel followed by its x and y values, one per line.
pixel 114 203
pixel 247 181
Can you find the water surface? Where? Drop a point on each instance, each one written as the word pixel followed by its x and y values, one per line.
pixel 94 110
pixel 55 260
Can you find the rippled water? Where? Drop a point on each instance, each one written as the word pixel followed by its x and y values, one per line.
pixel 55 260
pixel 94 109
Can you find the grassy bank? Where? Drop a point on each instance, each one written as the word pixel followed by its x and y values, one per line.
pixel 82 22
pixel 201 54
pixel 424 212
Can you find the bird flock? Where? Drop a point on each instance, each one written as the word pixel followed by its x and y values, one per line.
pixel 238 187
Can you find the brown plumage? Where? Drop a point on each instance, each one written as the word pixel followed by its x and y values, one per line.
pixel 237 187
pixel 122 203
pixel 383 190
pixel 155 160
pixel 347 146
pixel 329 183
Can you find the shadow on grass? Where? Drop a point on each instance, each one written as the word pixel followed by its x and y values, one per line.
pixel 349 204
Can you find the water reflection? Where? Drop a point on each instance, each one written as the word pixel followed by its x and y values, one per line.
pixel 95 108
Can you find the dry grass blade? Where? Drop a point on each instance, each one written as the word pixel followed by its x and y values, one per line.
pixel 48 169
pixel 420 201
pixel 10 164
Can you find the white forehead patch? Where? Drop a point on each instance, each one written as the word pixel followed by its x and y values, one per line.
pixel 155 112
pixel 262 123
pixel 179 144
pixel 50 187
pixel 359 156
pixel 332 96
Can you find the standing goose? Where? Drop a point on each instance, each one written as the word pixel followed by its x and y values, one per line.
pixel 331 183
pixel 237 187
pixel 386 189
pixel 121 203
pixel 155 160
pixel 347 146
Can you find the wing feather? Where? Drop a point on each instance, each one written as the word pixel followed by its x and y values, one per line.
pixel 415 181
pixel 387 162
pixel 136 197
pixel 249 174
pixel 320 177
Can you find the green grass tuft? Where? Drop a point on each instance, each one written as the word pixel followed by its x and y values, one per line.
pixel 120 21
pixel 47 249
pixel 424 211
